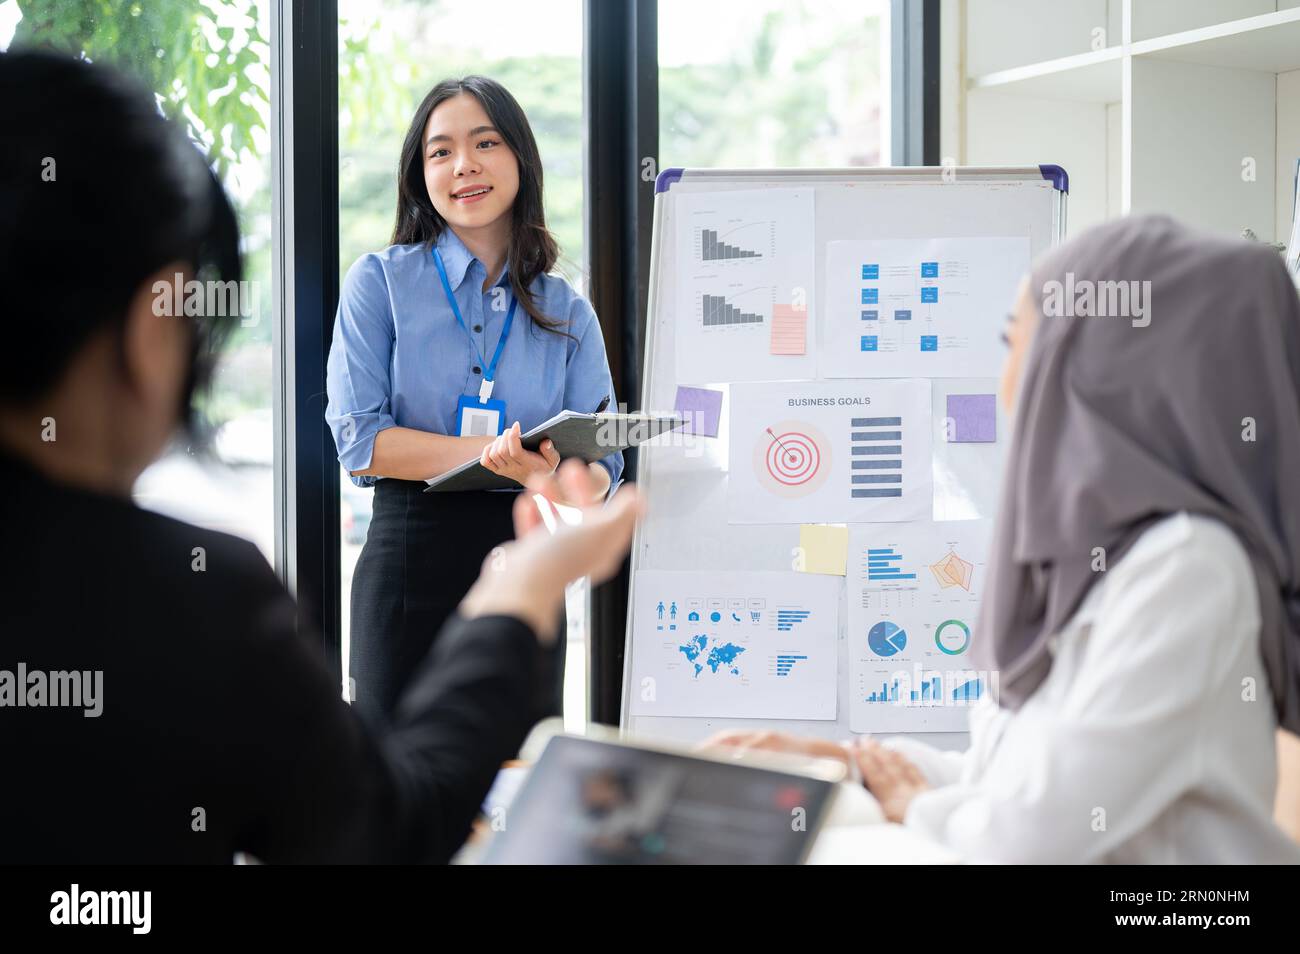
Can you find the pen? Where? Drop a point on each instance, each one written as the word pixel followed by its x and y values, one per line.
pixel 604 403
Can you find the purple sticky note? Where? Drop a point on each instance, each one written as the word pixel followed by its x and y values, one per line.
pixel 702 408
pixel 974 418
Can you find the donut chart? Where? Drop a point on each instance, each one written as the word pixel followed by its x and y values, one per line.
pixel 792 458
pixel 952 636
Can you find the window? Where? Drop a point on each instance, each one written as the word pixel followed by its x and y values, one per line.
pixel 772 83
pixel 208 63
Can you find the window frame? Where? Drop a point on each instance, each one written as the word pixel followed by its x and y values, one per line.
pixel 914 82
pixel 305 182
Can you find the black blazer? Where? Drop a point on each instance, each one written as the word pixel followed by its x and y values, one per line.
pixel 221 730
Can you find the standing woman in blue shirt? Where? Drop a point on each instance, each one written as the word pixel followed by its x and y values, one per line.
pixel 447 345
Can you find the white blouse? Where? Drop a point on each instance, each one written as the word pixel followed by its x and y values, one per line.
pixel 1150 741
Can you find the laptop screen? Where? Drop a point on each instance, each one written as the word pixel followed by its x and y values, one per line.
pixel 592 802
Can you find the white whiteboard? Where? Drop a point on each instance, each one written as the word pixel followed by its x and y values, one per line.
pixel 686 527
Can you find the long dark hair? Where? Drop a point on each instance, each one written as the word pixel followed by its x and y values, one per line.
pixel 532 250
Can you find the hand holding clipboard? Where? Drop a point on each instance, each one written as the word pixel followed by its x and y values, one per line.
pixel 573 434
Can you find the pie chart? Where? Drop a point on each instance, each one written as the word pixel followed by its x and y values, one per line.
pixel 886 639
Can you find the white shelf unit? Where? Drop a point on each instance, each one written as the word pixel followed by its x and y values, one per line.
pixel 1190 107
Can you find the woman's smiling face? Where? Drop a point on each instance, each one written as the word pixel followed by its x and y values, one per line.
pixel 471 174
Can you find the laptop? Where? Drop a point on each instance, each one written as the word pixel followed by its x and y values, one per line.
pixel 589 801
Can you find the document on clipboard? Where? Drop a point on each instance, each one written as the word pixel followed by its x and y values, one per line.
pixel 588 436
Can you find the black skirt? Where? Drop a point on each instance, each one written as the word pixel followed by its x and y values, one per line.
pixel 422 554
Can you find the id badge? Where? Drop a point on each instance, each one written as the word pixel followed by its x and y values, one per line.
pixel 479 418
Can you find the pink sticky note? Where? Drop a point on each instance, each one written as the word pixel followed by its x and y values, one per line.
pixel 789 330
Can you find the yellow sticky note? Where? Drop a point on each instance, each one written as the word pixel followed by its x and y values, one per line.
pixel 825 548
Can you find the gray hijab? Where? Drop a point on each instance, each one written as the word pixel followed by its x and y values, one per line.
pixel 1117 425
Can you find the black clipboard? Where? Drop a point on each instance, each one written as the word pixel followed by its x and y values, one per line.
pixel 588 436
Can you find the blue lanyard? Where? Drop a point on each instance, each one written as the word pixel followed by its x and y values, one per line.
pixel 490 370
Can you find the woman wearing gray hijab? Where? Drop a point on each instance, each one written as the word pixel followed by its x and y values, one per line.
pixel 1141 617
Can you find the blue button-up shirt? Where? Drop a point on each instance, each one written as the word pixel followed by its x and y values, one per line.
pixel 400 358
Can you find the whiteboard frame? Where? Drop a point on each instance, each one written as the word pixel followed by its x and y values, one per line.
pixel 959 176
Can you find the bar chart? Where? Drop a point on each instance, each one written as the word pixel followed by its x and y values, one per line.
pixel 715 310
pixel 930 691
pixel 784 662
pixel 713 249
pixel 888 692
pixel 787 619
pixel 882 565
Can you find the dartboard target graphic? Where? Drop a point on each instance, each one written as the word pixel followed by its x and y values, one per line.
pixel 792 458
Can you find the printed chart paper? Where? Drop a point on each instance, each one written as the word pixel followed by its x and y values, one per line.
pixel 903 308
pixel 830 452
pixel 913 591
pixel 735 645
pixel 745 277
